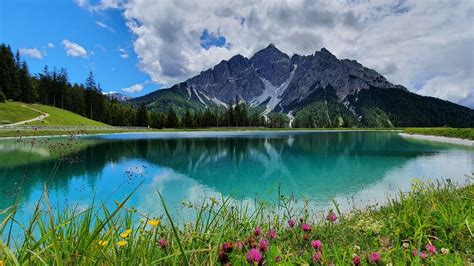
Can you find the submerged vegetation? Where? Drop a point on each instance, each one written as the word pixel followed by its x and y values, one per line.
pixel 430 224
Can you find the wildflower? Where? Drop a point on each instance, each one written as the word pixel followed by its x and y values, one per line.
pixel 306 227
pixel 257 231
pixel 431 248
pixel 1 263
pixel 356 260
pixel 154 222
pixel 405 245
pixel 121 243
pixel 102 242
pixel 277 259
pixel 331 216
pixel 263 245
pixel 291 223
pixel 239 245
pixel 163 243
pixel 316 244
pixel 126 233
pixel 375 257
pixel 271 234
pixel 317 256
pixel 254 256
pixel 423 255
pixel 227 247
pixel 444 251
pixel 223 257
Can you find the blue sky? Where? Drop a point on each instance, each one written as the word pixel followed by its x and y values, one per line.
pixel 104 36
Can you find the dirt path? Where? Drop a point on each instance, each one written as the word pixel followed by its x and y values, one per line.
pixel 41 117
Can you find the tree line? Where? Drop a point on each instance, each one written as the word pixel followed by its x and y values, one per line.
pixel 52 87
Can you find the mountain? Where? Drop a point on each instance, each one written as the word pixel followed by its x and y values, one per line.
pixel 117 96
pixel 317 90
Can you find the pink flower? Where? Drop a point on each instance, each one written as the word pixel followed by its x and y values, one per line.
pixel 272 234
pixel 431 248
pixel 277 259
pixel 227 247
pixel 257 231
pixel 291 223
pixel 423 255
pixel 375 257
pixel 254 256
pixel 316 244
pixel 163 243
pixel 306 227
pixel 239 245
pixel 331 216
pixel 356 260
pixel 415 253
pixel 263 245
pixel 317 256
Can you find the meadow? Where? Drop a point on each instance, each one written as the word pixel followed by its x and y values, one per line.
pixel 431 224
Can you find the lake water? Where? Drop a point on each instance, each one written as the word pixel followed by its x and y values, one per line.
pixel 355 168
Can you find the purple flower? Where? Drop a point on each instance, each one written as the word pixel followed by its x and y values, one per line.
pixel 317 256
pixel 254 256
pixel 291 223
pixel 263 245
pixel 375 257
pixel 356 260
pixel 239 245
pixel 227 247
pixel 306 227
pixel 257 231
pixel 272 234
pixel 316 244
pixel 163 243
pixel 431 248
pixel 331 216
pixel 277 259
pixel 423 255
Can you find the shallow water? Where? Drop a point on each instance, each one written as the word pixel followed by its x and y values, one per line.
pixel 355 168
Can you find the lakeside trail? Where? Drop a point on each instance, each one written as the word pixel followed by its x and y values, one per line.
pixel 38 118
pixel 457 141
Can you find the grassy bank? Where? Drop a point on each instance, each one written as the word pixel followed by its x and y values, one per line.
pixel 462 133
pixel 13 112
pixel 432 224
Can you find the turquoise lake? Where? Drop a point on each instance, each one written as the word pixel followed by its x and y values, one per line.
pixel 354 168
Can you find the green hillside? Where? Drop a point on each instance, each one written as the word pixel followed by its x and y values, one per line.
pixel 12 112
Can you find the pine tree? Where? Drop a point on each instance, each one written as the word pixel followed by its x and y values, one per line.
pixel 188 120
pixel 29 93
pixel 172 120
pixel 142 116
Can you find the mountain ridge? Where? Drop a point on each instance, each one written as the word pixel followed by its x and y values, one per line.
pixel 272 81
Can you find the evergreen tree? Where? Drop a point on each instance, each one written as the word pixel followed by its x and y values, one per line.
pixel 188 120
pixel 142 116
pixel 172 120
pixel 29 93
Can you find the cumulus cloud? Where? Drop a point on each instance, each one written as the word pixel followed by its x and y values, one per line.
pixel 134 88
pixel 423 45
pixel 31 52
pixel 73 49
pixel 100 5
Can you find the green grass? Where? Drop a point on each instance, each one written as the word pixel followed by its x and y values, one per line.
pixel 12 112
pixel 462 133
pixel 438 214
pixel 62 117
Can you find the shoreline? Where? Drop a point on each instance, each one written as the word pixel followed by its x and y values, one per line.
pixel 210 130
pixel 456 141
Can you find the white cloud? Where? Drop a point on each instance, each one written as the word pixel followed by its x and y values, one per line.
pixel 101 5
pixel 73 49
pixel 105 26
pixel 123 53
pixel 134 88
pixel 414 43
pixel 50 45
pixel 31 52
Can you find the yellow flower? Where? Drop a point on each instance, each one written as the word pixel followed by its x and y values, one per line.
pixel 121 243
pixel 1 263
pixel 154 222
pixel 126 233
pixel 103 242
